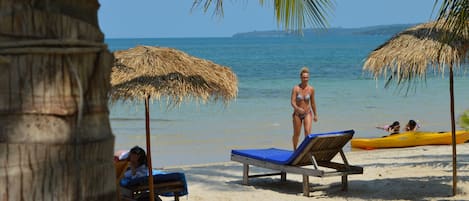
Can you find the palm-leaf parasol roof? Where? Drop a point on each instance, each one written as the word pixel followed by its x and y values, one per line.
pixel 166 72
pixel 408 54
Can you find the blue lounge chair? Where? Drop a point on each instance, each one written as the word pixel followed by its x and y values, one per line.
pixel 166 184
pixel 317 150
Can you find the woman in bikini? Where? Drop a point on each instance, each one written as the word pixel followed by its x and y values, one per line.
pixel 304 107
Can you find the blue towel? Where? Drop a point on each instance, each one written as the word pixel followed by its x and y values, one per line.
pixel 281 156
pixel 158 176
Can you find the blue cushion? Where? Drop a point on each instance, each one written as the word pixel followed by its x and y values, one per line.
pixel 278 156
pixel 158 176
pixel 281 156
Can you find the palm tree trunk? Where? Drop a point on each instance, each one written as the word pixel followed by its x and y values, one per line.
pixel 55 138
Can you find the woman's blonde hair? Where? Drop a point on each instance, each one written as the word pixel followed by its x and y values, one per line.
pixel 304 70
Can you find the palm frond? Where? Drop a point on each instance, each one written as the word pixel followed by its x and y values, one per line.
pixel 291 15
pixel 218 11
pixel 298 14
pixel 455 14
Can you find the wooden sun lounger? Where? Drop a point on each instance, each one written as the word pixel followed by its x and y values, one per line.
pixel 137 192
pixel 317 150
pixel 170 183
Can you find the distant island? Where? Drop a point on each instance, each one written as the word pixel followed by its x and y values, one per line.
pixel 371 30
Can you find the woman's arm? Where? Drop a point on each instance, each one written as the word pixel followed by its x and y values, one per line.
pixel 141 171
pixel 293 101
pixel 313 105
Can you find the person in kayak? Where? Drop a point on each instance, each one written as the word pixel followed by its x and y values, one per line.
pixel 411 126
pixel 393 128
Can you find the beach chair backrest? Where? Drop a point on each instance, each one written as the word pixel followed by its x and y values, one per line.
pixel 323 148
pixel 121 167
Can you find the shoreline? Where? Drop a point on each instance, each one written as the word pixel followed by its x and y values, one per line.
pixel 415 173
pixel 195 133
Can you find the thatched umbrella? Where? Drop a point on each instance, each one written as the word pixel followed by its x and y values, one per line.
pixel 145 72
pixel 406 57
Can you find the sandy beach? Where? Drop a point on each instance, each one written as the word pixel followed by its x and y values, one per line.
pixel 416 173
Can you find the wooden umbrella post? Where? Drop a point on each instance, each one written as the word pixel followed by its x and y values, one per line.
pixel 147 127
pixel 453 129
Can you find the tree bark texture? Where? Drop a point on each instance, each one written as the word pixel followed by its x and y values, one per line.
pixel 55 137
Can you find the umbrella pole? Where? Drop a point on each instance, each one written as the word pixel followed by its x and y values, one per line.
pixel 147 128
pixel 453 129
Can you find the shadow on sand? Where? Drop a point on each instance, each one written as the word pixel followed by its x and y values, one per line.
pixel 228 176
pixel 410 188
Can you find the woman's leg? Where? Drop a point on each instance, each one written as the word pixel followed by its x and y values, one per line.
pixel 296 130
pixel 308 121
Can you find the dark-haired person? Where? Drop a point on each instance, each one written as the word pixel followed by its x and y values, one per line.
pixel 411 126
pixel 392 128
pixel 138 163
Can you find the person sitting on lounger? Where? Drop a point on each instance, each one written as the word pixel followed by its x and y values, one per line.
pixel 138 163
pixel 138 169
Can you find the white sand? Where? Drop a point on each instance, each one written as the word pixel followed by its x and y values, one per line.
pixel 417 173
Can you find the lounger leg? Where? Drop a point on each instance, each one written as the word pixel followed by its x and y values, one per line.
pixel 283 176
pixel 344 182
pixel 245 173
pixel 306 185
pixel 176 198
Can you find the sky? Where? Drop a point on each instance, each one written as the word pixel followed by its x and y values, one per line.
pixel 177 19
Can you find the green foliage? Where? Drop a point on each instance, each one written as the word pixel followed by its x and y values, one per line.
pixel 455 13
pixel 291 15
pixel 464 120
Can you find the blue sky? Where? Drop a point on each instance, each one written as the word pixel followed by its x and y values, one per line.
pixel 174 18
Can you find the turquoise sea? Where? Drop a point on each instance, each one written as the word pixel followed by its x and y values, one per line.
pixel 260 117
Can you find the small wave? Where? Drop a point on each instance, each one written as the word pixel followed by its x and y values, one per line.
pixel 276 124
pixel 138 119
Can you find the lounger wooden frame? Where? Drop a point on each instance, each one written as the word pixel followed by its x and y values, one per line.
pixel 134 193
pixel 318 153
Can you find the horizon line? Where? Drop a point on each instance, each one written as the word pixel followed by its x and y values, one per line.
pixel 277 30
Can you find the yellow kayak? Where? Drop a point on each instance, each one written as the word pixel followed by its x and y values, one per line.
pixel 409 139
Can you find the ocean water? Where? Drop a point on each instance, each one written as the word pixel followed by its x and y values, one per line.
pixel 260 117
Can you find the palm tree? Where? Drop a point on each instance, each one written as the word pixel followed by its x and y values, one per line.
pixel 55 137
